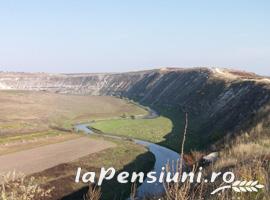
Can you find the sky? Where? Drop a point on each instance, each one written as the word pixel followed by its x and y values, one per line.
pixel 114 36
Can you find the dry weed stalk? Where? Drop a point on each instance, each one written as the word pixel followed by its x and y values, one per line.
pixel 15 187
pixel 177 191
pixel 94 193
pixel 133 192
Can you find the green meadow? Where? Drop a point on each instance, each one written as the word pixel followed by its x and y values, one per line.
pixel 152 130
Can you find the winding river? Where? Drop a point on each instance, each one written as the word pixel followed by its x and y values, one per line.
pixel 162 155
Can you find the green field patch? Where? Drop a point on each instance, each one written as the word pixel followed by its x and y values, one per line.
pixel 152 130
pixel 29 136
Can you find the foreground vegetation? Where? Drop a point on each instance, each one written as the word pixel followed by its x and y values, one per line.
pixel 248 156
pixel 25 189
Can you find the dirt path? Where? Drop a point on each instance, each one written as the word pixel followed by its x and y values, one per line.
pixel 41 158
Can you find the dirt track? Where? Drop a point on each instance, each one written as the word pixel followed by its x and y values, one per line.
pixel 41 158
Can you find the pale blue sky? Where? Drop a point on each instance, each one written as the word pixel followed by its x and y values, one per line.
pixel 98 36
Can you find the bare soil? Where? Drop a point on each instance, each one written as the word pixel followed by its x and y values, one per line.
pixel 34 142
pixel 41 158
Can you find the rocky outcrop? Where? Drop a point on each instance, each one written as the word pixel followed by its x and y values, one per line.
pixel 219 100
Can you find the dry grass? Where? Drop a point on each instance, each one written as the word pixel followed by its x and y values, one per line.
pixel 249 150
pixel 248 157
pixel 15 187
pixel 94 193
pixel 182 191
pixel 25 111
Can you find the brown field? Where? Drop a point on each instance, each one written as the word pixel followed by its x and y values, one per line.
pixel 25 111
pixel 34 141
pixel 41 158
pixel 127 156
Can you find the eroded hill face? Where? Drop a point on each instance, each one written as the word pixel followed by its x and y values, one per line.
pixel 218 101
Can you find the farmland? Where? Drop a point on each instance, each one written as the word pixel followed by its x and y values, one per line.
pixel 36 136
pixel 28 112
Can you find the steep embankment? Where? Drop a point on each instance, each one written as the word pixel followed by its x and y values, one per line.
pixel 219 101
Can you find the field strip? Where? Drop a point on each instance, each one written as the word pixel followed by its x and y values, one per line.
pixel 41 158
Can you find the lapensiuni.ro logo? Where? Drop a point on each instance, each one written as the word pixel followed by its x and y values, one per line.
pixel 228 178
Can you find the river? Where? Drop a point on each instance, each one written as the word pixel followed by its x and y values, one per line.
pixel 162 155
